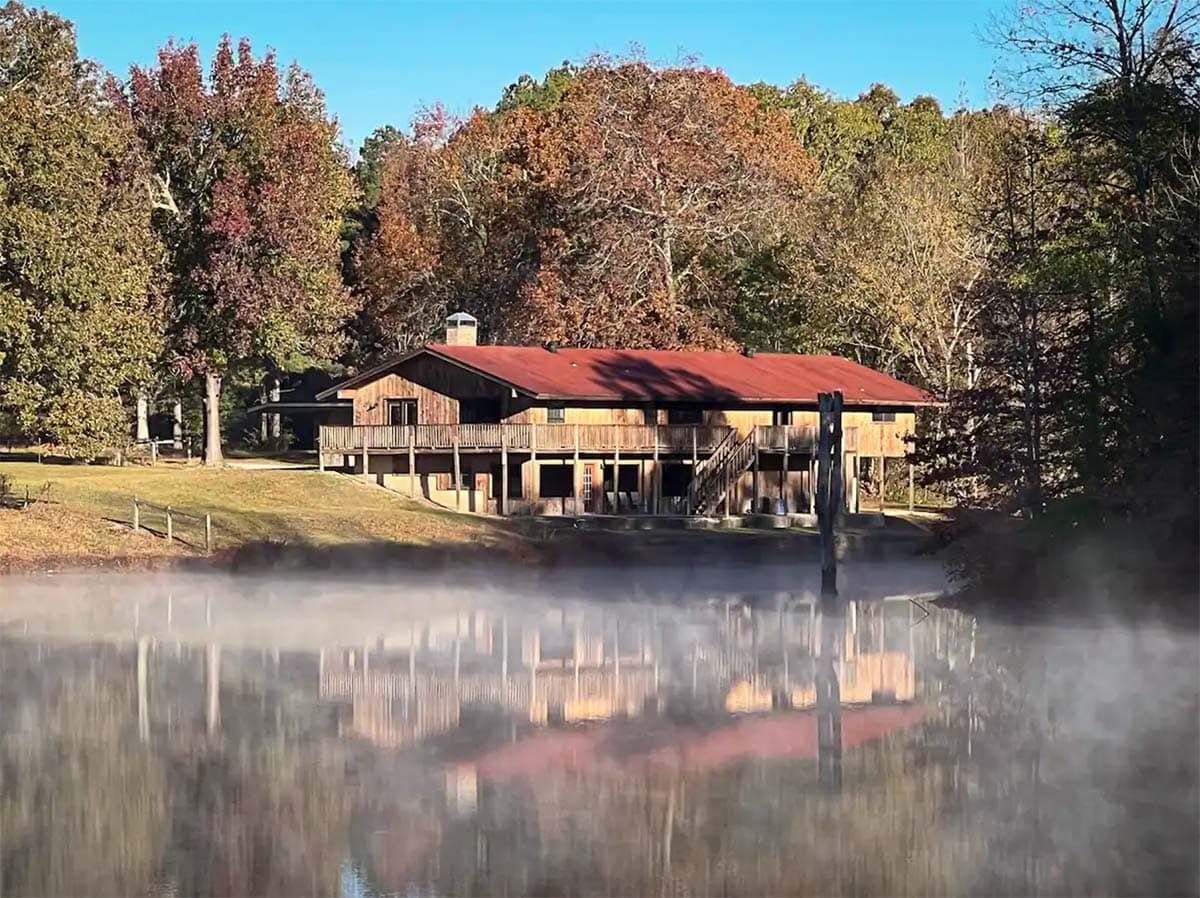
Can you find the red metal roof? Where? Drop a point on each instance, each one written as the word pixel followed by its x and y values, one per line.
pixel 680 376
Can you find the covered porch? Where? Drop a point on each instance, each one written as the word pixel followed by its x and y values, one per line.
pixel 578 469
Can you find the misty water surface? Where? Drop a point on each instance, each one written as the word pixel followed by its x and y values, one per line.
pixel 589 733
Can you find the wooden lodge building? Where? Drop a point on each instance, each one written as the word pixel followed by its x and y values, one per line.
pixel 556 430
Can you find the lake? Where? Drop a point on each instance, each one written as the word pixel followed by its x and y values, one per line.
pixel 592 732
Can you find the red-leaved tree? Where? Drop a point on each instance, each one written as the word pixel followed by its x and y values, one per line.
pixel 250 185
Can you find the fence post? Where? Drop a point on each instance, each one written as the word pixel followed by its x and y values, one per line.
pixel 170 525
pixel 208 534
pixel 153 453
pixel 136 516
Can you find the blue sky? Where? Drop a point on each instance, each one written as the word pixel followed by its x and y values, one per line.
pixel 379 62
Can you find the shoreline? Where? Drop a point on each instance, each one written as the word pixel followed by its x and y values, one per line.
pixel 554 548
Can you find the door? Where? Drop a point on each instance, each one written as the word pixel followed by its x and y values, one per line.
pixel 591 492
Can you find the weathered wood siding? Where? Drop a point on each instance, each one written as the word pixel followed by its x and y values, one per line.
pixel 370 401
pixel 876 438
pixel 741 420
pixel 437 387
pixel 588 415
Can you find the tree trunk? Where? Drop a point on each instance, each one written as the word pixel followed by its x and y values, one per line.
pixel 177 424
pixel 212 421
pixel 143 418
pixel 276 428
pixel 262 416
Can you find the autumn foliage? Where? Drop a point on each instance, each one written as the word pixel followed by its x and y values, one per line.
pixel 250 186
pixel 596 221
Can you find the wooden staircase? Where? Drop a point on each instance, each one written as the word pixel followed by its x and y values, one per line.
pixel 714 477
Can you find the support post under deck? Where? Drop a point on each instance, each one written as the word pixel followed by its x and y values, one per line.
pixel 783 474
pixel 412 461
pixel 457 477
pixel 503 471
pixel 576 477
pixel 754 488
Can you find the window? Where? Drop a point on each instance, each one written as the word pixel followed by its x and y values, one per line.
pixel 479 411
pixel 883 417
pixel 514 481
pixel 556 414
pixel 401 412
pixel 587 485
pixel 676 479
pixel 555 481
pixel 629 478
pixel 650 416
pixel 685 416
pixel 466 480
pixel 781 416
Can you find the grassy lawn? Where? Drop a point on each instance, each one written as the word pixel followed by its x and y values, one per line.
pixel 87 518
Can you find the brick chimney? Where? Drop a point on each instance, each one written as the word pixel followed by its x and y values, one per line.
pixel 461 330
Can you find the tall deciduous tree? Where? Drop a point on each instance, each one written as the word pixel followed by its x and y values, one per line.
pixel 649 171
pixel 620 213
pixel 78 324
pixel 252 187
pixel 1123 79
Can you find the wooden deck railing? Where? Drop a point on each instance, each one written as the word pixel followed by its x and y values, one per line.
pixel 672 438
pixel 800 438
pixel 795 438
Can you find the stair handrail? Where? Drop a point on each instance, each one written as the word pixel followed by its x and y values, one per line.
pixel 733 462
pixel 700 472
pixel 722 448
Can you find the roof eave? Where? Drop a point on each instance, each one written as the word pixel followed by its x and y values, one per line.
pixel 750 400
pixel 357 380
pixel 300 406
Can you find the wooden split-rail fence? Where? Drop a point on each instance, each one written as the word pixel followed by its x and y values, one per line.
pixel 171 515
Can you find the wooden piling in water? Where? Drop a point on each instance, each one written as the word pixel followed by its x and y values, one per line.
pixel 829 485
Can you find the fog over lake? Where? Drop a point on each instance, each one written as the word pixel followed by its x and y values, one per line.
pixel 591 731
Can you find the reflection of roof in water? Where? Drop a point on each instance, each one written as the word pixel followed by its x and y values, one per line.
pixel 786 736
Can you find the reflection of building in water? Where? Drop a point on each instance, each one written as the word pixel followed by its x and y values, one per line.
pixel 765 661
pixel 869 678
pixel 563 676
pixel 555 669
pixel 655 805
